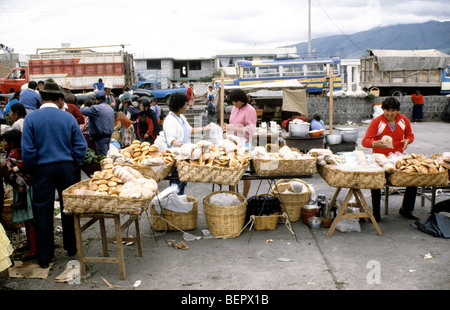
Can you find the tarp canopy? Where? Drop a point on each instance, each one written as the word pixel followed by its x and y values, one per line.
pixel 294 100
pixel 400 60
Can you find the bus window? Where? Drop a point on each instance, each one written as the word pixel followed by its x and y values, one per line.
pixel 269 71
pixel 447 72
pixel 249 73
pixel 292 70
pixel 315 69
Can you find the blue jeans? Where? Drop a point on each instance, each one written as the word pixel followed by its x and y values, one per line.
pixel 102 144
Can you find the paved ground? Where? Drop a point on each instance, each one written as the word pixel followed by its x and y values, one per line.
pixel 403 258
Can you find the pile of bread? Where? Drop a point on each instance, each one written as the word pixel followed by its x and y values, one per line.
pixel 285 152
pixel 204 153
pixel 140 153
pixel 119 181
pixel 418 163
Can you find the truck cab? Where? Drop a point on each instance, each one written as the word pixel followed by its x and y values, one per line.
pixel 14 80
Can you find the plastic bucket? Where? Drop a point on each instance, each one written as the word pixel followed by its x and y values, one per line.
pixel 309 211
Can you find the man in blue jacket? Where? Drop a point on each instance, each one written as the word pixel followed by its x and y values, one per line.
pixel 52 146
pixel 30 98
pixel 101 122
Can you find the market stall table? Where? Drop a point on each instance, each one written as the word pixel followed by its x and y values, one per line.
pixel 354 181
pixel 118 239
pixel 303 144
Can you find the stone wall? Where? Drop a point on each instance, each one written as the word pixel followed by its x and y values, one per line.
pixel 356 110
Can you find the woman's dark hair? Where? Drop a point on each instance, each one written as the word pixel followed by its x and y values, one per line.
pixel 145 104
pixel 16 95
pixel 177 101
pixel 20 109
pixel 14 136
pixel 316 117
pixel 390 103
pixel 238 95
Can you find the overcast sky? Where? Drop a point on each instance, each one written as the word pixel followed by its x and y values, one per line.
pixel 197 28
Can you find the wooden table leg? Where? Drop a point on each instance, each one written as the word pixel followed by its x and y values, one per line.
pixel 79 241
pixel 138 236
pixel 103 236
pixel 333 199
pixel 120 256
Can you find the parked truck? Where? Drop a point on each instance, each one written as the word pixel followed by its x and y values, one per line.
pixel 83 67
pixel 403 72
pixel 161 95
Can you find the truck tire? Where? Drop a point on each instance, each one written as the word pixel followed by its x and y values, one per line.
pixel 397 92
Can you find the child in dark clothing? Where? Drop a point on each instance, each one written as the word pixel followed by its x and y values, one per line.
pixel 14 173
pixel 148 127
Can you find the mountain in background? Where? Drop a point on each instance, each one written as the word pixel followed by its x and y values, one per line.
pixel 429 35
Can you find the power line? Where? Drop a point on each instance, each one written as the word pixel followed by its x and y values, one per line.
pixel 348 38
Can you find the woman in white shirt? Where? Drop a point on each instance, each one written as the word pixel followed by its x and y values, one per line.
pixel 177 130
pixel 17 114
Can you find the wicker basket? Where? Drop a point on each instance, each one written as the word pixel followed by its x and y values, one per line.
pixel 175 220
pixel 149 171
pixel 352 179
pixel 188 172
pixel 266 222
pixel 284 167
pixel 225 221
pixel 402 178
pixel 292 202
pixel 77 204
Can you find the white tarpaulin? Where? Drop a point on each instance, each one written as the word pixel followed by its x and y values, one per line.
pixel 400 60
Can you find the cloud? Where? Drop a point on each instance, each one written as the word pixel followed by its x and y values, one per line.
pixel 197 28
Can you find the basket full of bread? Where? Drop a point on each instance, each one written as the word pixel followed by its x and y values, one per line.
pixel 205 162
pixel 113 190
pixel 351 170
pixel 287 162
pixel 418 170
pixel 143 157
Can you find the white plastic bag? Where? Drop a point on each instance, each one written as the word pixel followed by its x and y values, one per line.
pixel 348 225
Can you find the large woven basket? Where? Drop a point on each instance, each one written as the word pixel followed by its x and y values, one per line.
pixel 352 179
pixel 175 220
pixel 284 167
pixel 104 204
pixel 151 172
pixel 188 172
pixel 403 178
pixel 292 202
pixel 225 221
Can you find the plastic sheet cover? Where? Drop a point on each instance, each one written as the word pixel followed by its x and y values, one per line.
pixel 400 60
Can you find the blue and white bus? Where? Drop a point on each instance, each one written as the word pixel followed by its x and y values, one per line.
pixel 311 72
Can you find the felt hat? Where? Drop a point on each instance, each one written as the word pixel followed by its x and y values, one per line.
pixel 52 88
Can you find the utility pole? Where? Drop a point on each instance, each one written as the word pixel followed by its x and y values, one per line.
pixel 309 28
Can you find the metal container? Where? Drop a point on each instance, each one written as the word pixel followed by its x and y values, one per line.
pixel 333 139
pixel 349 135
pixel 298 129
pixel 314 222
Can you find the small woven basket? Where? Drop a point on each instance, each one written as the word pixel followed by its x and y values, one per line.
pixel 352 179
pixel 292 202
pixel 175 220
pixel 188 172
pixel 284 167
pixel 77 204
pixel 266 222
pixel 225 221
